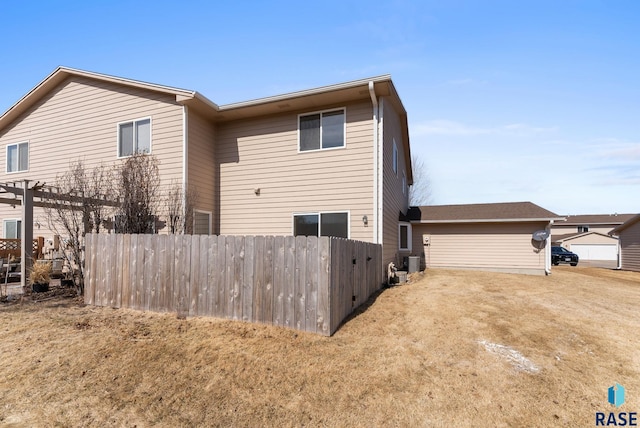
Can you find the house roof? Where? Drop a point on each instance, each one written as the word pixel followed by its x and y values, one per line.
pixel 310 99
pixel 595 219
pixel 481 213
pixel 570 236
pixel 630 222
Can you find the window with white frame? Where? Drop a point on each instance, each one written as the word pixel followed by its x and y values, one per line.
pixel 321 224
pixel 134 137
pixel 322 130
pixel 17 157
pixel 201 222
pixel 12 229
pixel 404 236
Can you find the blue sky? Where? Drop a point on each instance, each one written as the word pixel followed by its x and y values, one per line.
pixel 507 100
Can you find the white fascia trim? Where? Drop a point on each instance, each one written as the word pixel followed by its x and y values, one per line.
pixel 308 92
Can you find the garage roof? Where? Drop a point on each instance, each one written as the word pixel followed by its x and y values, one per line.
pixel 481 213
pixel 633 220
pixel 594 219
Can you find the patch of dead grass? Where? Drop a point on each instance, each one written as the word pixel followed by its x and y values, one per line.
pixel 412 357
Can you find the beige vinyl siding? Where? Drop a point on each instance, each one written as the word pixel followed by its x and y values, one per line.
pixel 262 153
pixel 484 246
pixel 201 162
pixel 393 200
pixel 630 247
pixel 78 120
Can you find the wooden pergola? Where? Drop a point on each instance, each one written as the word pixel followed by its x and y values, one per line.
pixel 25 194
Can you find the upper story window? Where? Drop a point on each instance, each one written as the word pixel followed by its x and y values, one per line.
pixel 582 229
pixel 322 130
pixel 395 157
pixel 134 137
pixel 321 224
pixel 17 157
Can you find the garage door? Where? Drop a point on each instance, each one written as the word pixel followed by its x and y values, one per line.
pixel 596 251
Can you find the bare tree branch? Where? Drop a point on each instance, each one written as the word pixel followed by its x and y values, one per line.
pixel 420 191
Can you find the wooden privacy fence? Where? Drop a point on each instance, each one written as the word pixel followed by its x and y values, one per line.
pixel 304 283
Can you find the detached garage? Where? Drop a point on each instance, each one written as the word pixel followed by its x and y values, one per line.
pixel 493 237
pixel 590 246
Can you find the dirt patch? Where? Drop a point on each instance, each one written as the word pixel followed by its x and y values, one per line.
pixel 452 348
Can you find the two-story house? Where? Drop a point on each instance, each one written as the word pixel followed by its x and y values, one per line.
pixel 333 160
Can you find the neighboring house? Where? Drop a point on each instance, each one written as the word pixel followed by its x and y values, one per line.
pixel 629 235
pixel 494 237
pixel 333 160
pixel 587 235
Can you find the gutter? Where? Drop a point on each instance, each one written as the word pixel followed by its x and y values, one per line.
pixel 377 208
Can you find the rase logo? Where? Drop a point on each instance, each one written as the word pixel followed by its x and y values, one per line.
pixel 615 397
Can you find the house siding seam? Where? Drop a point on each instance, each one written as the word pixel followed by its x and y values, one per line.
pixel 78 120
pixel 262 153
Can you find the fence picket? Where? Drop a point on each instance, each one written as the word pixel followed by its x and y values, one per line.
pixel 278 281
pixel 248 278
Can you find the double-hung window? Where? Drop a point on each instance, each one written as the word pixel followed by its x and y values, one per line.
pixel 134 137
pixel 321 224
pixel 18 157
pixel 322 130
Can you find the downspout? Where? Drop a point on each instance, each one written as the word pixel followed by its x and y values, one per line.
pixel 376 166
pixel 547 251
pixel 185 159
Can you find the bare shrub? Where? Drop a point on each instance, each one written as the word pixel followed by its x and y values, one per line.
pixel 137 190
pixel 179 205
pixel 77 205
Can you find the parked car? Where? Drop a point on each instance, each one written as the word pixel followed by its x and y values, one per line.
pixel 562 255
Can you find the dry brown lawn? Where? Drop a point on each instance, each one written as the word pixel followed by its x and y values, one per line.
pixel 452 348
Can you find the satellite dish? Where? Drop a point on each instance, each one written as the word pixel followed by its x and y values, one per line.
pixel 540 235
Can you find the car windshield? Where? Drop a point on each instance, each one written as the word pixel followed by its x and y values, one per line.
pixel 560 250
